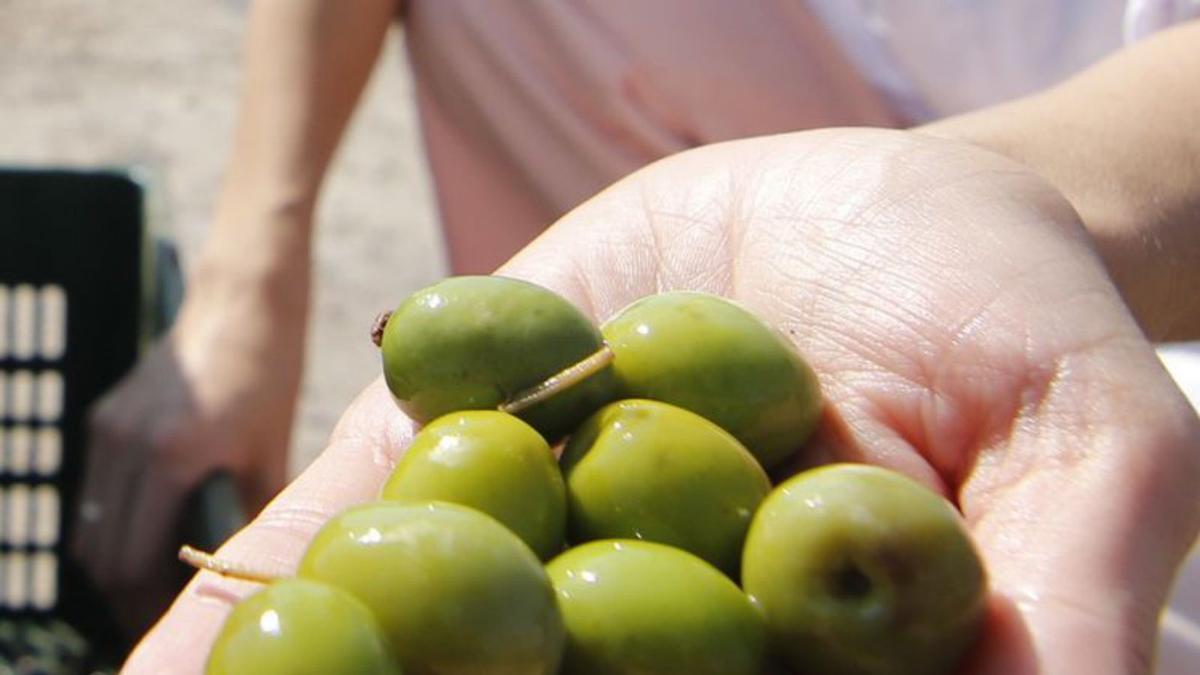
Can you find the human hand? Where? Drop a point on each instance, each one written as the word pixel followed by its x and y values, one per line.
pixel 216 394
pixel 964 333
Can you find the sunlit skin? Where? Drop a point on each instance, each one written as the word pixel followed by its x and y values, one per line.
pixel 964 333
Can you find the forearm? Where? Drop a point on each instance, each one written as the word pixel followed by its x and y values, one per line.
pixel 306 64
pixel 1122 142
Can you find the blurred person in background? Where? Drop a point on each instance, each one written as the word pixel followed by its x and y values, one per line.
pixel 528 108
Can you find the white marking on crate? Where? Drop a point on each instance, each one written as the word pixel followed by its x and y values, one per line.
pixel 5 303
pixel 24 317
pixel 49 396
pixel 45 580
pixel 16 580
pixel 20 450
pixel 47 454
pixel 20 395
pixel 52 331
pixel 47 516
pixel 16 525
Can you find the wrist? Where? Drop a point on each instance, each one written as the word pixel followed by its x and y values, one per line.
pixel 255 267
pixel 242 329
pixel 264 231
pixel 1138 225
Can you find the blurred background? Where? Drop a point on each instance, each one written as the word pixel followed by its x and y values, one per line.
pixel 154 83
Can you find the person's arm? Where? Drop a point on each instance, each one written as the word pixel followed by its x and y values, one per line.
pixel 220 391
pixel 307 62
pixel 1122 142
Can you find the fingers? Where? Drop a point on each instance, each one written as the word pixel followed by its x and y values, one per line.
pixel 350 471
pixel 146 576
pixel 105 499
pixel 152 439
pixel 1087 511
pixel 128 513
pixel 1009 647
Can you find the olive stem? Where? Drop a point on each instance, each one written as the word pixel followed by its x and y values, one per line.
pixel 559 381
pixel 226 568
pixel 377 326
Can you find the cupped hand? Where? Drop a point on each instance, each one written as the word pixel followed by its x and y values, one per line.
pixel 216 394
pixel 963 331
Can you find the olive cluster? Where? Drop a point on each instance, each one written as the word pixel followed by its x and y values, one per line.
pixel 668 419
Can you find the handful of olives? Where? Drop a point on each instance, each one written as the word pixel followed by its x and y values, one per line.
pixel 659 506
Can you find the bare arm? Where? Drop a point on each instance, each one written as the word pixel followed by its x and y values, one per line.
pixel 307 62
pixel 219 392
pixel 1122 141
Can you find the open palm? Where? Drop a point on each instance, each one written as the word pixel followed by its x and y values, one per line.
pixel 963 331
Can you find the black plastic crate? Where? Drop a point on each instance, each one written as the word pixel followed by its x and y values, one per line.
pixel 83 289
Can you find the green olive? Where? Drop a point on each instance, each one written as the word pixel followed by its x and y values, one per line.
pixel 639 608
pixel 642 469
pixel 711 356
pixel 455 591
pixel 861 571
pixel 298 627
pixel 489 461
pixel 473 343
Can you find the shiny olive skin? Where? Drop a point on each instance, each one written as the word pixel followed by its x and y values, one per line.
pixel 862 571
pixel 298 627
pixel 454 590
pixel 709 355
pixel 639 608
pixel 493 462
pixel 641 469
pixel 474 342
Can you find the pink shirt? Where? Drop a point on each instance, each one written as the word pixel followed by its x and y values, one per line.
pixel 531 106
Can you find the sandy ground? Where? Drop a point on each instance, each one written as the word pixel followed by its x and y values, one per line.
pixel 154 83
